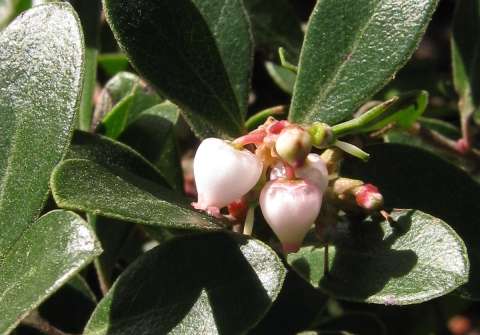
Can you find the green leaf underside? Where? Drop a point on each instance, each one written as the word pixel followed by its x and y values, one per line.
pixel 41 76
pixel 401 111
pixel 422 258
pixel 152 135
pixel 351 49
pixel 112 154
pixel 196 53
pixel 411 177
pixel 64 243
pixel 225 294
pixel 85 186
pixel 466 56
pixel 283 77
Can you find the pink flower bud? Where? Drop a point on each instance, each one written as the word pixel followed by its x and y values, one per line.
pixel 369 198
pixel 314 170
pixel 293 145
pixel 290 207
pixel 223 174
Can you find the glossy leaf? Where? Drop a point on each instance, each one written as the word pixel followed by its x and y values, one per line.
pixel 274 26
pixel 202 63
pixel 41 76
pixel 466 55
pixel 152 135
pixel 445 191
pixel 64 243
pixel 420 258
pixel 85 186
pixel 225 294
pixel 112 154
pixel 401 112
pixel 351 50
pixel 123 85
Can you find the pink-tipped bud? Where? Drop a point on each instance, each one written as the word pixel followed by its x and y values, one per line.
pixel 293 145
pixel 369 198
pixel 290 207
pixel 314 170
pixel 223 174
pixel 238 209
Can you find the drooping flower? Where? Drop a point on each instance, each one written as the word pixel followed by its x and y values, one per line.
pixel 223 174
pixel 314 170
pixel 290 207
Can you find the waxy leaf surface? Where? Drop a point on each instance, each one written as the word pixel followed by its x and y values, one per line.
pixel 352 48
pixel 411 177
pixel 210 283
pixel 82 185
pixel 197 53
pixel 41 76
pixel 50 252
pixel 419 259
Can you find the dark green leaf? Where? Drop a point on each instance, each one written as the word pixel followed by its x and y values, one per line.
pixel 274 26
pixel 112 154
pixel 69 308
pixel 419 259
pixel 283 77
pixel 89 12
pixel 355 323
pixel 466 57
pixel 152 135
pixel 410 177
pixel 197 54
pixel 117 89
pixel 223 284
pixel 85 186
pixel 64 243
pixel 296 307
pixel 41 76
pixel 112 235
pixel 351 49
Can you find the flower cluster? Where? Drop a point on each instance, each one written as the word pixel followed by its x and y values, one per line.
pixel 279 173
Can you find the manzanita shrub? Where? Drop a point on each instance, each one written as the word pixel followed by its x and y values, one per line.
pixel 319 216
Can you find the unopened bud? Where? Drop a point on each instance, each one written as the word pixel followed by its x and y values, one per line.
pixel 290 207
pixel 369 198
pixel 293 145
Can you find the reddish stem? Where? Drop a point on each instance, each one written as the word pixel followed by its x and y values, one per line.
pixel 249 139
pixel 289 171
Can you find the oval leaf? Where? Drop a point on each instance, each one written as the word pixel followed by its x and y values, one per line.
pixel 196 53
pixel 419 259
pixel 85 186
pixel 64 243
pixel 411 177
pixel 223 284
pixel 41 76
pixel 351 49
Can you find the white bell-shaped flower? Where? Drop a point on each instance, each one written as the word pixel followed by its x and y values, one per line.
pixel 314 170
pixel 223 174
pixel 290 207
